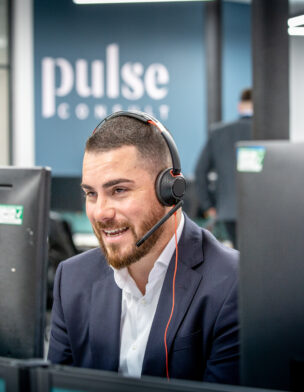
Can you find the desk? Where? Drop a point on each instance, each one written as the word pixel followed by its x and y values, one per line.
pixel 85 240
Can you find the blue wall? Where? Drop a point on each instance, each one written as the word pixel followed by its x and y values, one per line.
pixel 159 67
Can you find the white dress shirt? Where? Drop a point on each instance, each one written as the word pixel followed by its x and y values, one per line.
pixel 137 310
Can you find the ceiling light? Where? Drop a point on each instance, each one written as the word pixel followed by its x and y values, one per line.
pixel 296 30
pixel 296 21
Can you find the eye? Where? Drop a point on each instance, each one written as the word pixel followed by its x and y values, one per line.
pixel 89 194
pixel 119 190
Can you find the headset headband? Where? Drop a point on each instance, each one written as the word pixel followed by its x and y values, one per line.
pixel 148 119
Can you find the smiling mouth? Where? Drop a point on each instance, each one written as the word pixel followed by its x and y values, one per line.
pixel 115 232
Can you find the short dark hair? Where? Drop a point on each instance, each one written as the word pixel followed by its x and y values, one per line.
pixel 246 95
pixel 126 131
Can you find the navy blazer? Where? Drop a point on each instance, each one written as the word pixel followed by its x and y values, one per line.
pixel 203 333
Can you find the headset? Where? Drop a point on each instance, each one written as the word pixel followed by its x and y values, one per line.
pixel 170 188
pixel 170 184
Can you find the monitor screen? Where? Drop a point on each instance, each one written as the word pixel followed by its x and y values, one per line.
pixel 24 215
pixel 2 385
pixel 66 194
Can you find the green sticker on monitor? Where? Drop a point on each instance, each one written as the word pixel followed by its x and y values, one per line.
pixel 250 159
pixel 11 214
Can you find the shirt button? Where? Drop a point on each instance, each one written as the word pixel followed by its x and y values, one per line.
pixel 134 347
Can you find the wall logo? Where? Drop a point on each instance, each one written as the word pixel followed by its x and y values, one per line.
pixel 101 81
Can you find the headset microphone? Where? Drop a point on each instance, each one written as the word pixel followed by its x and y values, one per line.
pixel 159 223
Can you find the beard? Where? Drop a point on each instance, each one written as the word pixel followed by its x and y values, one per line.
pixel 120 259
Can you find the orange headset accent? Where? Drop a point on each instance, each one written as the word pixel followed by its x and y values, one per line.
pixel 174 175
pixel 153 123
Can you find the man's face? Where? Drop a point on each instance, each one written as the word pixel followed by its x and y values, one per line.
pixel 121 203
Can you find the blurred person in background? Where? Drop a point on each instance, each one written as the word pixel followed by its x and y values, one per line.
pixel 216 167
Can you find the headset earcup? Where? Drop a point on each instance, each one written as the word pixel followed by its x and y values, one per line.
pixel 169 189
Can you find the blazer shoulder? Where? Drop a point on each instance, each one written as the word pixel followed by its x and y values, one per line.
pixel 219 260
pixel 240 126
pixel 92 255
pixel 218 250
pixel 199 245
pixel 89 265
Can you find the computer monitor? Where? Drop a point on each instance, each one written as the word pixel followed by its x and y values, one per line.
pixel 271 227
pixel 24 214
pixel 71 379
pixel 66 194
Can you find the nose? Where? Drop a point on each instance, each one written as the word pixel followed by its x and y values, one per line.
pixel 103 210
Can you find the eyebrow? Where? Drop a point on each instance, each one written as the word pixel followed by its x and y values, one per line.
pixel 109 183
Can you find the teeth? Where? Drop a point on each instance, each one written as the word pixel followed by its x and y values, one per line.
pixel 116 231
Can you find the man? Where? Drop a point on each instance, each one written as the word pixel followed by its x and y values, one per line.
pixel 219 157
pixel 112 304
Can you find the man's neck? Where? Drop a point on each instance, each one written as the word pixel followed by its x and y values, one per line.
pixel 141 269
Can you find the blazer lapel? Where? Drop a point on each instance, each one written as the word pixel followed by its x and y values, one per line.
pixel 186 284
pixel 105 312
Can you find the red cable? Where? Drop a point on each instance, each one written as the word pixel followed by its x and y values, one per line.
pixel 173 297
pixel 175 269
